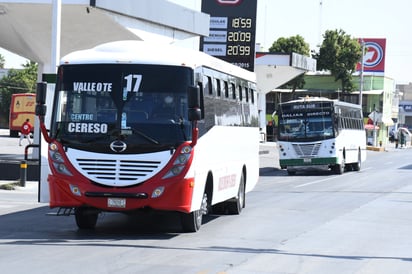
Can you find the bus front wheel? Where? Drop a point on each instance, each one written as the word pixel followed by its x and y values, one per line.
pixel 339 168
pixel 191 222
pixel 86 218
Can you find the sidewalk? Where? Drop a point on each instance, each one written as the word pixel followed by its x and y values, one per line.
pixel 30 186
pixel 388 147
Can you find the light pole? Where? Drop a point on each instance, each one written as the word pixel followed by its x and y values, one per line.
pixel 361 73
pixel 374 126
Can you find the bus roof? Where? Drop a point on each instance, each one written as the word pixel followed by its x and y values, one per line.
pixel 321 99
pixel 140 52
pixel 23 94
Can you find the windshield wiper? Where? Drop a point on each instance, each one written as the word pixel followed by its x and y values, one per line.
pixel 182 127
pixel 145 136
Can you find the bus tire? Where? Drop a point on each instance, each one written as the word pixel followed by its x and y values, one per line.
pixel 191 222
pixel 291 172
pixel 339 168
pixel 235 207
pixel 86 218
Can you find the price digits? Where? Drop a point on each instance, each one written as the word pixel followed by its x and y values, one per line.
pixel 242 23
pixel 238 50
pixel 239 36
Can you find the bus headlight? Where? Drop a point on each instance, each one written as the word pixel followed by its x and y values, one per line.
pixel 180 162
pixel 61 168
pixel 176 170
pixel 58 160
pixel 57 157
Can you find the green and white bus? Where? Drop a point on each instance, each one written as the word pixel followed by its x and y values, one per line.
pixel 317 132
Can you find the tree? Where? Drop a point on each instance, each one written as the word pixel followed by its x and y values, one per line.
pixel 288 45
pixel 17 81
pixel 2 61
pixel 339 53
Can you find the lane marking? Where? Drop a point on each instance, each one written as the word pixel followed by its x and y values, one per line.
pixel 326 179
pixel 314 182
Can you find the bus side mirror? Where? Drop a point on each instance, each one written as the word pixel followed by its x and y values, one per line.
pixel 41 110
pixel 193 101
pixel 41 93
pixel 41 99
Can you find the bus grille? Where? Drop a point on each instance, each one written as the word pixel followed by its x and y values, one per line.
pixel 118 170
pixel 307 150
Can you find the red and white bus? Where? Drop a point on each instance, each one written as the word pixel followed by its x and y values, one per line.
pixel 22 107
pixel 137 126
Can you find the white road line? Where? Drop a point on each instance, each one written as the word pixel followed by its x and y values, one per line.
pixel 326 179
pixel 314 182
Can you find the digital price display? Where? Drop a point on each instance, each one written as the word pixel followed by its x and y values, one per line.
pixel 232 31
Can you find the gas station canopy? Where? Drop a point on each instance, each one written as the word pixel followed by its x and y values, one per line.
pixel 26 30
pixel 26 25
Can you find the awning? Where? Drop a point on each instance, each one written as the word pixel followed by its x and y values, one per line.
pixel 387 121
pixel 375 116
pixel 369 92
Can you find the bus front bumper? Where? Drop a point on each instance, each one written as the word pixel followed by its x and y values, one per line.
pixel 308 162
pixel 175 196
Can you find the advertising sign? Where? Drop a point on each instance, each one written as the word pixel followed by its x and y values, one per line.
pixel 374 58
pixel 232 31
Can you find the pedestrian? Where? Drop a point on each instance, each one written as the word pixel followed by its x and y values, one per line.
pixel 25 131
pixel 403 139
pixel 396 136
pixel 392 136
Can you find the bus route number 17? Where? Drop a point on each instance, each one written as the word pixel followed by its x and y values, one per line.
pixel 133 82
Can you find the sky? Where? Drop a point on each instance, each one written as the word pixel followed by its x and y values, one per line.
pixel 311 18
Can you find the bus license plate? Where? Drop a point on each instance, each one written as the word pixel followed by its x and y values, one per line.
pixel 307 160
pixel 116 202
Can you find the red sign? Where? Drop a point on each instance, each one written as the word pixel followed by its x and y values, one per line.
pixel 374 58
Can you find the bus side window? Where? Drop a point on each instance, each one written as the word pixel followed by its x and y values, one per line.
pixel 202 104
pixel 218 88
pixel 233 90
pixel 336 122
pixel 209 85
pixel 226 89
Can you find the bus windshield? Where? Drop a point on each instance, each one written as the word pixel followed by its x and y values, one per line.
pixel 144 106
pixel 305 122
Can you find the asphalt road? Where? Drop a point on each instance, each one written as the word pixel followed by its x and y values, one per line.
pixel 358 222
